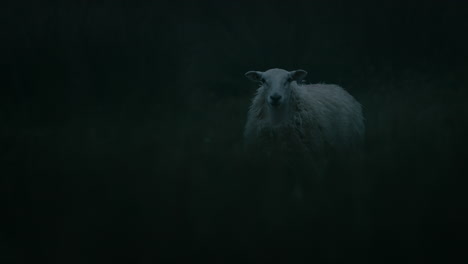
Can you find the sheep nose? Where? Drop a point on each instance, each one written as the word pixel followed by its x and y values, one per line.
pixel 275 98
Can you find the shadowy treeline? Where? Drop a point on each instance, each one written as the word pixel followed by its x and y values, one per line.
pixel 121 130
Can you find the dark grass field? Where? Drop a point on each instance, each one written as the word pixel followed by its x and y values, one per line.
pixel 121 132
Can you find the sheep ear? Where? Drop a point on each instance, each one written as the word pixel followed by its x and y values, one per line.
pixel 254 76
pixel 298 75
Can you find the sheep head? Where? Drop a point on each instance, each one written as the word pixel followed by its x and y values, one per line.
pixel 277 89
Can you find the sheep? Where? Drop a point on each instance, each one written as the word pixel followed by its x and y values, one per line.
pixel 303 137
pixel 313 123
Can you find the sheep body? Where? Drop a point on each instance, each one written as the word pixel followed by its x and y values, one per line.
pixel 324 118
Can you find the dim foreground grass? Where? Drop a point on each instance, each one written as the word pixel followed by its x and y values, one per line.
pixel 178 186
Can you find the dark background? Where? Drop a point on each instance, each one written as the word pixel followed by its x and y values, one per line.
pixel 121 126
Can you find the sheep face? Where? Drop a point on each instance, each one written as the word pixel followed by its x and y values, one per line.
pixel 276 91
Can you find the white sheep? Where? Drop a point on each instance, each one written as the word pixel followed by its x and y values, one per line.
pixel 312 122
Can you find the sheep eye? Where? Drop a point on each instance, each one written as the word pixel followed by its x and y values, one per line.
pixel 290 79
pixel 263 80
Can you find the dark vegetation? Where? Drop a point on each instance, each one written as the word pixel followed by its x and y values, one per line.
pixel 121 130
